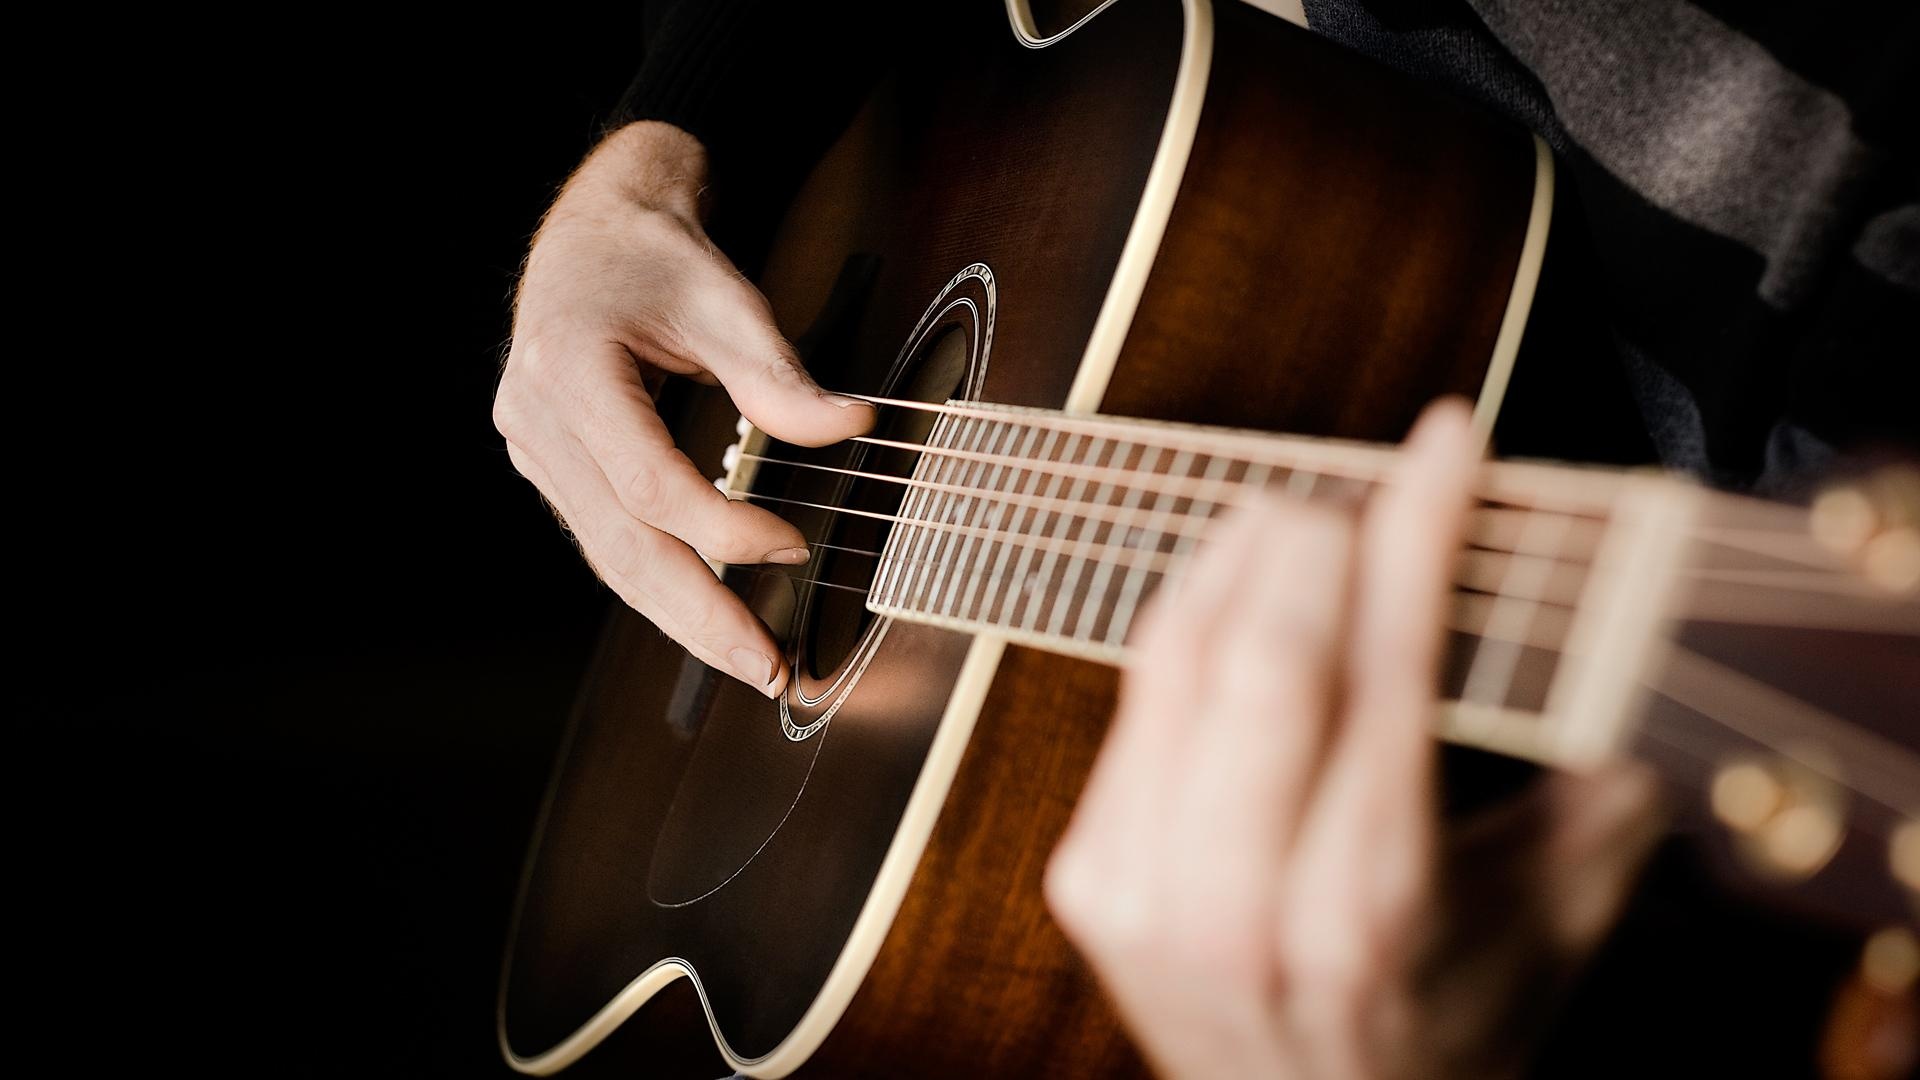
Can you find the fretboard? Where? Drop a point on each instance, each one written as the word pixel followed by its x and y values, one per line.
pixel 1052 531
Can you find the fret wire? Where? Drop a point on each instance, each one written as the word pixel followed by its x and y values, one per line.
pixel 899 537
pixel 1123 526
pixel 942 512
pixel 1069 602
pixel 1531 577
pixel 994 590
pixel 969 597
pixel 1062 523
pixel 1131 594
pixel 927 518
pixel 920 534
pixel 1496 662
pixel 1185 541
pixel 964 547
pixel 1133 581
pixel 939 551
pixel 1301 490
pixel 968 438
pixel 1026 597
pixel 1500 529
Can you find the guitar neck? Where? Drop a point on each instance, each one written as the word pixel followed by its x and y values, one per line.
pixel 1052 530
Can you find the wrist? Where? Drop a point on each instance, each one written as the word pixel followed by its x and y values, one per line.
pixel 650 164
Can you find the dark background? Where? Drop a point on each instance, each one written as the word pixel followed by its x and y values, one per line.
pixel 299 642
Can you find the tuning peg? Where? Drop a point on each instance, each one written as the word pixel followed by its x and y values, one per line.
pixel 1873 521
pixel 1891 960
pixel 1787 820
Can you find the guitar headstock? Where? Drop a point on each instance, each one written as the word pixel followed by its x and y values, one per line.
pixel 1787 694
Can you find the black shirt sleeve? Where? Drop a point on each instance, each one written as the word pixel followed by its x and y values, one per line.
pixel 765 85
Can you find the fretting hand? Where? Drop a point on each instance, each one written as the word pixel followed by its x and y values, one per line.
pixel 621 289
pixel 1256 871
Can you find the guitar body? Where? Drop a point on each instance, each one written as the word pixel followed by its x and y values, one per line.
pixel 1169 212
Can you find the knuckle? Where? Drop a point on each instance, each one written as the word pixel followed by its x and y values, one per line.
pixel 1223 946
pixel 615 553
pixel 1098 904
pixel 509 417
pixel 644 490
pixel 702 615
pixel 534 358
pixel 732 546
pixel 1325 952
pixel 1068 884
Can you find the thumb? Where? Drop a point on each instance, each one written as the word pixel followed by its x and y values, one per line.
pixel 762 372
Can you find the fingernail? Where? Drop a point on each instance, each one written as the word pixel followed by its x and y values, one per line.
pixel 844 401
pixel 752 666
pixel 789 556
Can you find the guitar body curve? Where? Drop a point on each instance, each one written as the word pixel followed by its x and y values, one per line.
pixel 1180 213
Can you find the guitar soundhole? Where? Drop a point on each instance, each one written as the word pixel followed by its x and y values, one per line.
pixel 837 618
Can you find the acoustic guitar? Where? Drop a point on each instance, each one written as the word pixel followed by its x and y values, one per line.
pixel 1092 268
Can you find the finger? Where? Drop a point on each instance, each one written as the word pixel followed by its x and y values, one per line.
pixel 654 573
pixel 1244 777
pixel 1102 877
pixel 1599 830
pixel 1380 778
pixel 727 328
pixel 1167 676
pixel 1363 864
pixel 1251 752
pixel 614 418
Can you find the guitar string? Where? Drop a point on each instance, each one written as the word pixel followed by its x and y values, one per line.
pixel 1470 614
pixel 1105 512
pixel 1478 564
pixel 1806 716
pixel 1752 707
pixel 1530 483
pixel 1896 770
pixel 1367 462
pixel 1350 459
pixel 1800 714
pixel 1837 581
pixel 1153 562
pixel 1795 709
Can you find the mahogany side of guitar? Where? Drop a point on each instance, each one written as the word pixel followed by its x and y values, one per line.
pixel 1341 250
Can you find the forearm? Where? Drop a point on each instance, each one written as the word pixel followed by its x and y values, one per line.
pixel 763 86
